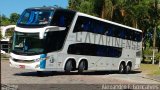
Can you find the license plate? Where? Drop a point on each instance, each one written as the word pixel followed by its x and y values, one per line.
pixel 21 66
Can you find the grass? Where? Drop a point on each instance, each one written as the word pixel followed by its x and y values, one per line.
pixel 150 69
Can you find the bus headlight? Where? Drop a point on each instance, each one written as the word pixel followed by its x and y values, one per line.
pixel 40 59
pixel 37 60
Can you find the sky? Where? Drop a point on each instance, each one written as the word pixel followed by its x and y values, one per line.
pixel 17 6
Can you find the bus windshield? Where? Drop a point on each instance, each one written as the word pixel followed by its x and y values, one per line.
pixel 27 43
pixel 35 17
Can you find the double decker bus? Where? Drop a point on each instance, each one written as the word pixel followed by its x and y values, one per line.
pixel 55 39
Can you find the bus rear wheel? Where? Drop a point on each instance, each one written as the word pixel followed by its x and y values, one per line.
pixel 128 69
pixel 81 67
pixel 68 66
pixel 121 68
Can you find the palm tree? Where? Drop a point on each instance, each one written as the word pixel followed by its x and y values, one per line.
pixel 74 4
pixel 155 27
pixel 103 8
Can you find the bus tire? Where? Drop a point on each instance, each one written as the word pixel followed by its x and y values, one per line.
pixel 68 66
pixel 121 68
pixel 81 67
pixel 127 69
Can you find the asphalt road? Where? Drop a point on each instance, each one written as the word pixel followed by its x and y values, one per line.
pixel 21 76
pixel 21 79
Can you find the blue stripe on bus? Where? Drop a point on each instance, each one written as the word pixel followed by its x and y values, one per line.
pixel 43 62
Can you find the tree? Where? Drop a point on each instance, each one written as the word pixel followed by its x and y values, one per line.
pixel 85 6
pixel 74 4
pixel 4 20
pixel 155 27
pixel 104 8
pixel 0 34
pixel 13 18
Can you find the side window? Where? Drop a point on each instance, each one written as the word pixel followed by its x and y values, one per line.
pixel 110 30
pixel 54 40
pixel 59 19
pixel 138 36
pixel 86 25
pixel 82 24
pixel 89 25
pixel 116 31
pixel 78 25
pixel 128 34
pixel 101 27
pixel 98 27
pixel 95 26
pixel 62 18
pixel 122 33
pixel 133 36
pixel 94 50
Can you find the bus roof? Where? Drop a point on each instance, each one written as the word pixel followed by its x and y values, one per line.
pixel 86 15
pixel 121 25
pixel 49 8
pixel 43 8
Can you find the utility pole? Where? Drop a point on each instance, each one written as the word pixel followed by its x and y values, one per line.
pixel 155 28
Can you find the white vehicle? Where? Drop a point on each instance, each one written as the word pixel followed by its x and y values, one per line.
pixel 4 42
pixel 51 39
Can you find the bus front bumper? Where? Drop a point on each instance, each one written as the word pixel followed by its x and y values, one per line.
pixel 32 66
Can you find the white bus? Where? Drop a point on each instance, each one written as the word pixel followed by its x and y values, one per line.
pixel 52 39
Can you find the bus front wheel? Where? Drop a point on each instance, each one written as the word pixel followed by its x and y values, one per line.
pixel 68 66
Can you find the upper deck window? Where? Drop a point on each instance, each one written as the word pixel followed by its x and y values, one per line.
pixel 35 17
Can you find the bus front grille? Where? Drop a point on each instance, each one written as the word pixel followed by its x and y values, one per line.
pixel 23 61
